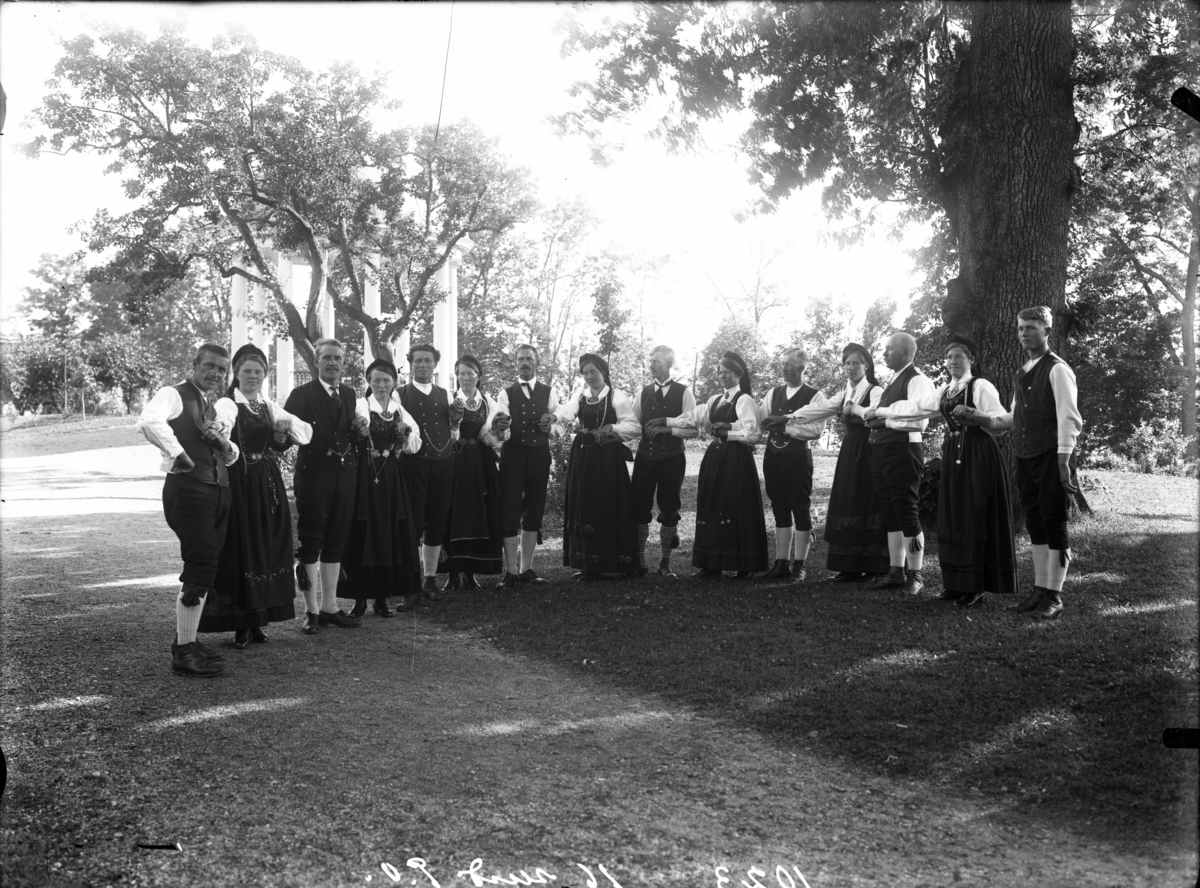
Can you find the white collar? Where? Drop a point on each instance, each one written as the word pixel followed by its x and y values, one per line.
pixel 854 389
pixel 423 387
pixel 331 389
pixel 663 384
pixel 957 385
pixel 239 397
pixel 587 393
pixel 458 393
pixel 790 391
pixel 373 402
pixel 730 392
pixel 529 382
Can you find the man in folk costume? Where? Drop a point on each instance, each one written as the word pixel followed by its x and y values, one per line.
pixel 324 482
pixel 524 421
pixel 896 461
pixel 1045 423
pixel 181 422
pixel 430 472
pixel 788 464
pixel 660 463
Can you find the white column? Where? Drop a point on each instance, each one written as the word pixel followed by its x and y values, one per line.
pixel 370 303
pixel 450 355
pixel 237 312
pixel 400 347
pixel 285 351
pixel 442 334
pixel 256 327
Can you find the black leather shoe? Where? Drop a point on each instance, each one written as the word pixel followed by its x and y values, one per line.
pixel 707 573
pixel 360 608
pixel 1031 602
pixel 509 581
pixel 779 571
pixel 381 608
pixel 186 659
pixel 969 600
pixel 338 618
pixel 640 571
pixel 257 636
pixel 664 569
pixel 241 638
pixel 799 571
pixel 913 582
pixel 1049 607
pixel 430 590
pixel 205 651
pixel 408 602
pixel 531 578
pixel 469 581
pixel 893 579
pixel 310 623
pixel 453 582
pixel 948 595
pixel 847 577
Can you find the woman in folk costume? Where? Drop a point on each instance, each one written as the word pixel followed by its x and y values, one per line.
pixel 474 544
pixel 598 529
pixel 380 560
pixel 975 535
pixel 731 532
pixel 854 527
pixel 254 584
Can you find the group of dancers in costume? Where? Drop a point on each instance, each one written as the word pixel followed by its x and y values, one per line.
pixel 409 481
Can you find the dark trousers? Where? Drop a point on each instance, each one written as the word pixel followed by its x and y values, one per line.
pixel 524 476
pixel 896 469
pixel 788 478
pixel 198 513
pixel 1043 500
pixel 661 476
pixel 324 510
pixel 431 492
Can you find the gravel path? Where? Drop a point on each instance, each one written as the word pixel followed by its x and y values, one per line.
pixel 327 760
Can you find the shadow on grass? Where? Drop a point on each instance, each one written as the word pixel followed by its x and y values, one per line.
pixel 1059 721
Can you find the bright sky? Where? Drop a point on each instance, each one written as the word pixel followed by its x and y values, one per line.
pixel 506 75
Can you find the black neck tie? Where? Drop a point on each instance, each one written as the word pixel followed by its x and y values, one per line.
pixel 528 392
pixel 660 394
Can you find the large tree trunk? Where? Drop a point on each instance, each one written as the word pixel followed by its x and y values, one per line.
pixel 1187 321
pixel 1009 177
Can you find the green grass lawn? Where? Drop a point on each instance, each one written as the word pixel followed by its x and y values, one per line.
pixel 1065 716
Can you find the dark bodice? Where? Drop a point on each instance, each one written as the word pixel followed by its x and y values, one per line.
pixel 383 431
pixel 592 416
pixel 725 412
pixel 472 421
pixel 253 432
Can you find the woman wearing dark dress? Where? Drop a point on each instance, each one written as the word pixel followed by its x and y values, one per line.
pixel 474 544
pixel 254 584
pixel 380 560
pixel 731 532
pixel 854 525
pixel 598 528
pixel 975 536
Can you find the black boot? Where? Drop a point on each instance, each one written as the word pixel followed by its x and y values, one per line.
pixel 469 581
pixel 453 581
pixel 186 659
pixel 779 571
pixel 381 608
pixel 360 608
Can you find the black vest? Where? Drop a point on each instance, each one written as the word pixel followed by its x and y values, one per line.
pixel 210 462
pixel 1035 415
pixel 525 413
pixel 661 446
pixel 432 414
pixel 897 390
pixel 782 442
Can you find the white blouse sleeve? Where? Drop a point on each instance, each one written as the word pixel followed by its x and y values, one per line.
pixel 918 405
pixel 299 431
pixel 747 427
pixel 626 426
pixel 696 419
pixel 987 402
pixel 568 410
pixel 818 409
pixel 225 414
pixel 413 445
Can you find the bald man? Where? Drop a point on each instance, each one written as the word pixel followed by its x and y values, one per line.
pixel 896 463
pixel 788 466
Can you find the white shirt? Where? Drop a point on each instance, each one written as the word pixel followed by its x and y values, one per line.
pixel 299 431
pixel 369 404
pixel 167 405
pixel 746 429
pixel 626 426
pixel 502 406
pixel 808 422
pixel 689 406
pixel 919 386
pixel 984 394
pixel 1066 403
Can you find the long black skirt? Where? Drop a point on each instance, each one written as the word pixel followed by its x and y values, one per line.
pixel 854 525
pixel 473 542
pixel 975 535
pixel 380 560
pixel 598 531
pixel 255 584
pixel 731 531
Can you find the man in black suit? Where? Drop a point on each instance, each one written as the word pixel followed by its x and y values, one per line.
pixel 324 484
